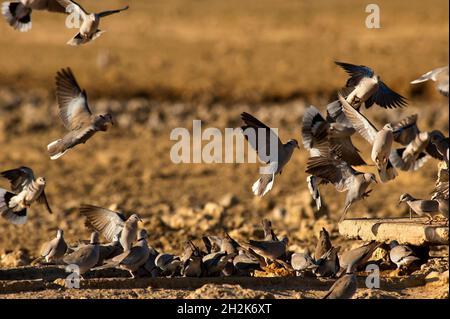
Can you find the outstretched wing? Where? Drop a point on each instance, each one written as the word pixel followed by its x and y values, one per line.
pixel 332 170
pixel 356 72
pixel 72 101
pixel 107 13
pixel 107 222
pixel 73 7
pixel 19 178
pixel 385 97
pixel 42 199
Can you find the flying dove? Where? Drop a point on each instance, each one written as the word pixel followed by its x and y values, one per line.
pixel 75 114
pixel 328 264
pixel 252 131
pixel 26 189
pixel 168 263
pixel 358 256
pixel 110 224
pixel 438 75
pixel 245 262
pixel 323 244
pixel 343 177
pixel 422 207
pixel 366 87
pixel 192 265
pixel 345 287
pixel 270 250
pixel 133 258
pixel 302 262
pixel 85 257
pixel 54 249
pixel 90 21
pixel 401 255
pixel 381 140
pixel 18 13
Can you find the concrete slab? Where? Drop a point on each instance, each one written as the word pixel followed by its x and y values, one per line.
pixel 406 231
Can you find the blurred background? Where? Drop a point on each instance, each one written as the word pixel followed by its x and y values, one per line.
pixel 162 64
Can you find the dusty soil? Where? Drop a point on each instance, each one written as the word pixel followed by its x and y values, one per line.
pixel 159 67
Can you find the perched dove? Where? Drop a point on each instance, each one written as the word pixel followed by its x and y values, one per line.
pixel 85 257
pixel 192 261
pixel 18 13
pixel 133 258
pixel 110 250
pixel 343 177
pixel 422 207
pixel 75 114
pixel 26 189
pixel 245 262
pixel 438 75
pixel 229 245
pixel 323 244
pixel 214 263
pixel 54 249
pixel 255 131
pixel 366 87
pixel 381 140
pixel 359 255
pixel 401 255
pixel 110 224
pixel 270 250
pixel 150 264
pixel 441 143
pixel 212 244
pixel 328 264
pixel 89 21
pixel 345 287
pixel 168 263
pixel 302 262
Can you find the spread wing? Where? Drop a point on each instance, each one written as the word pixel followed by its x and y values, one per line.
pixel 385 97
pixel 73 7
pixel 359 121
pixel 107 222
pixel 332 170
pixel 42 199
pixel 356 72
pixel 107 13
pixel 405 130
pixel 19 178
pixel 254 128
pixel 72 101
pixel 55 6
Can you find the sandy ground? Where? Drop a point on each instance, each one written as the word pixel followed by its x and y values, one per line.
pixel 178 61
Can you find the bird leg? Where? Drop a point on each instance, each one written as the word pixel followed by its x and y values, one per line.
pixel 366 194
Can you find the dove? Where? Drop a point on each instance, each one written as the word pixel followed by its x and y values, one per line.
pixel 344 287
pixel 191 261
pixel 245 262
pixel 413 156
pixel 168 263
pixel 302 262
pixel 85 257
pixel 440 194
pixel 89 30
pixel 343 177
pixel 328 264
pixel 381 140
pixel 212 244
pixel 366 87
pixel 26 189
pixel 323 244
pixel 110 250
pixel 359 255
pixel 422 207
pixel 18 13
pixel 229 245
pixel 269 234
pixel 110 224
pixel 150 264
pixel 401 255
pixel 131 259
pixel 270 250
pixel 256 131
pixel 54 249
pixel 438 75
pixel 214 263
pixel 441 143
pixel 75 114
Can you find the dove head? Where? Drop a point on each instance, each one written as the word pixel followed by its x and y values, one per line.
pixel 94 238
pixel 134 218
pixel 405 197
pixel 59 233
pixel 393 244
pixel 285 240
pixel 142 234
pixel 388 127
pixel 369 177
pixel 40 181
pixel 293 143
pixel 102 120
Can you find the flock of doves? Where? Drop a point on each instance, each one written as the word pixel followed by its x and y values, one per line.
pixel 332 157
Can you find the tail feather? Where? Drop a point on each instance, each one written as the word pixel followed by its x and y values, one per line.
pixel 314 190
pixel 15 217
pixel 17 15
pixel 56 149
pixel 388 173
pixel 263 185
